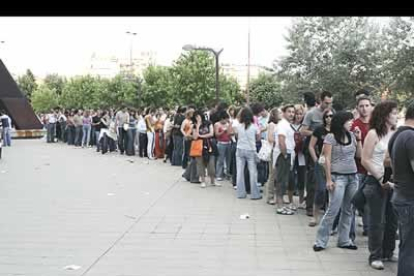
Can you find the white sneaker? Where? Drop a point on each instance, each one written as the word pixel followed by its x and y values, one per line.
pixel 219 179
pixel 377 265
pixel 216 184
pixel 203 185
pixel 235 187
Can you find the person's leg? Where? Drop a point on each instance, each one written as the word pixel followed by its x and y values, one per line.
pixel 270 185
pixel 337 195
pixel 48 134
pixel 320 193
pixel 121 140
pixel 279 182
pixel 233 164
pixel 186 151
pixel 347 211
pixel 301 183
pixel 405 213
pixel 220 162
pixel 310 184
pixel 53 133
pixel 150 146
pixel 211 169
pixel 391 225
pixel 88 135
pixel 201 170
pixel 104 143
pixel 8 136
pixel 241 162
pixel 84 133
pixel 77 134
pixel 251 163
pixel 97 140
pixel 291 183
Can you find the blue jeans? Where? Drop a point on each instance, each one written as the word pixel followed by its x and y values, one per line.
pixel 6 137
pixel 51 129
pixel 243 157
pixel 222 166
pixel 405 213
pixel 340 198
pixel 97 140
pixel 320 187
pixel 382 218
pixel 86 130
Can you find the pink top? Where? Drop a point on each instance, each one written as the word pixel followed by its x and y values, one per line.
pixel 224 137
pixel 86 120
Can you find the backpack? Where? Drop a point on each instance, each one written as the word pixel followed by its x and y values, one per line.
pixel 298 139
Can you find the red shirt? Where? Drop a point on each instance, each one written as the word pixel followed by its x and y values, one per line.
pixel 364 127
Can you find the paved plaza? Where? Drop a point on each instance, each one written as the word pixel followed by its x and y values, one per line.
pixel 114 215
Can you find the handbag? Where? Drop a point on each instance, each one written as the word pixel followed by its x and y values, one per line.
pixel 359 200
pixel 126 127
pixel 196 148
pixel 265 151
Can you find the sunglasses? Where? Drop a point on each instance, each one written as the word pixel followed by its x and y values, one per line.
pixel 328 116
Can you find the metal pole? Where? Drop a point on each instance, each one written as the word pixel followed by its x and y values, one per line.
pixel 217 76
pixel 248 66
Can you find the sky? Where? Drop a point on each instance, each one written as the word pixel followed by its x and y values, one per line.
pixel 64 45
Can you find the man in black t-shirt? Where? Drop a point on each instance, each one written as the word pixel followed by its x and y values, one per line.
pixel 401 150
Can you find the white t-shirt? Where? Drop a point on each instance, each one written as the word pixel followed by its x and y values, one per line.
pixel 286 130
pixel 52 118
pixel 142 127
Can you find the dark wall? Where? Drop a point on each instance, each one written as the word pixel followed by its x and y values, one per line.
pixel 15 103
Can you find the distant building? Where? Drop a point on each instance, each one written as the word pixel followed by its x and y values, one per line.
pixel 110 66
pixel 239 72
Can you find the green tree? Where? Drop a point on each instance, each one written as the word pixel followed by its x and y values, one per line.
pixel 81 92
pixel 337 54
pixel 44 99
pixel 193 76
pixel 157 87
pixel 27 84
pixel 397 58
pixel 54 81
pixel 267 90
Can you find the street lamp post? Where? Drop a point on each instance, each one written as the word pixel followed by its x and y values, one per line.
pixel 130 47
pixel 189 47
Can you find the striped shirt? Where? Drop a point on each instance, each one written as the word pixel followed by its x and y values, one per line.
pixel 342 156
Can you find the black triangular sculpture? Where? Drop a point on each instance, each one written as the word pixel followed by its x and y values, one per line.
pixel 15 103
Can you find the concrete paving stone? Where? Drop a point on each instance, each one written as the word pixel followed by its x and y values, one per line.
pixel 164 226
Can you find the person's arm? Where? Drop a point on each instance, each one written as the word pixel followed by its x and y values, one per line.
pixel 327 152
pixel 282 144
pixel 370 142
pixel 270 136
pixel 305 131
pixel 209 134
pixel 312 145
pixel 387 160
pixel 358 137
pixel 217 129
pixel 182 128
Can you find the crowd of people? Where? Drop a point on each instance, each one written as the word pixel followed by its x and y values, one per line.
pixel 342 163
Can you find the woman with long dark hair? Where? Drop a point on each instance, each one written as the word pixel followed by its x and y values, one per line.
pixel 315 150
pixel 382 226
pixel 247 135
pixel 177 154
pixel 340 148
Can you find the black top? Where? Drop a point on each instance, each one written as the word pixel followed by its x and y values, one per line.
pixel 96 119
pixel 320 132
pixel 178 120
pixel 401 149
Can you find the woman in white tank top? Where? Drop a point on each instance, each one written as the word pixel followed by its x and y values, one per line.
pixel 272 139
pixel 382 226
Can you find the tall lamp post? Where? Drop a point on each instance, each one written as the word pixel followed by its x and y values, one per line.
pixel 130 48
pixel 190 47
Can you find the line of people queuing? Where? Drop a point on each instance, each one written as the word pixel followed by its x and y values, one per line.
pixel 333 160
